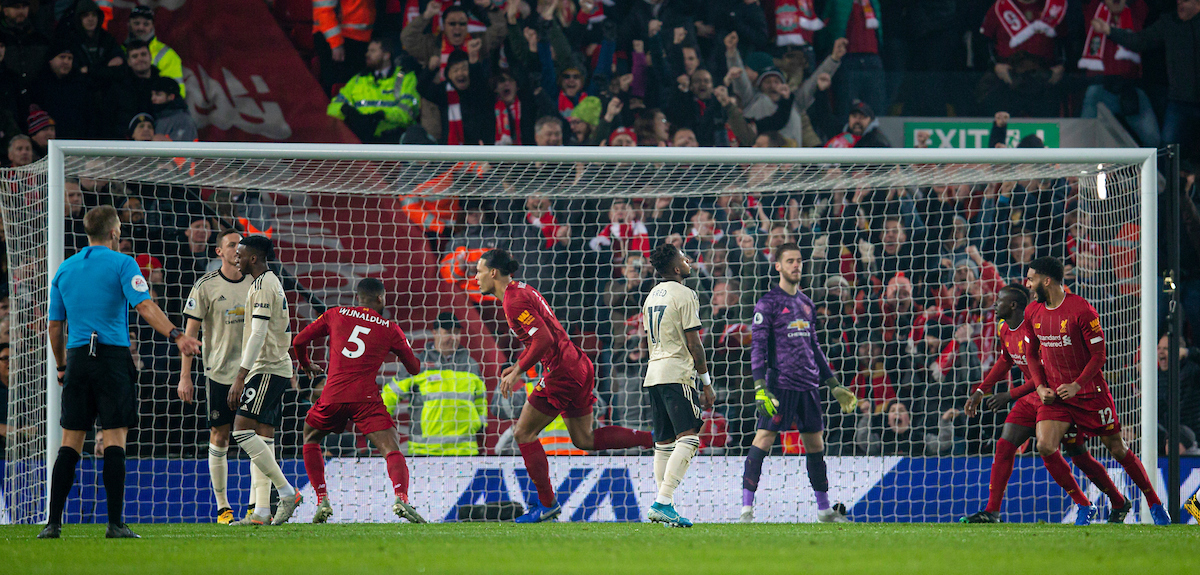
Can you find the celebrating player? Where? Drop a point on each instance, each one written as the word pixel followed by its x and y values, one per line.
pixel 266 371
pixel 788 367
pixel 671 316
pixel 1071 344
pixel 360 339
pixel 218 304
pixel 1015 337
pixel 566 386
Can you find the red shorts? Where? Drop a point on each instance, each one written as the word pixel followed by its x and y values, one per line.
pixel 567 391
pixel 368 416
pixel 1025 411
pixel 1095 415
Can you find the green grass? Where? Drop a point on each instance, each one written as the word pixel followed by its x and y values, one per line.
pixel 609 548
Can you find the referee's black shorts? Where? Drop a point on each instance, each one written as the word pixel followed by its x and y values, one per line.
pixel 675 408
pixel 262 398
pixel 101 388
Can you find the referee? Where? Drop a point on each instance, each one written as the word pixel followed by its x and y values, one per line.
pixel 90 293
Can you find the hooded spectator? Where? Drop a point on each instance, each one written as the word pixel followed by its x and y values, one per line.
pixel 95 50
pixel 171 117
pixel 462 98
pixel 25 46
pixel 168 62
pixel 65 94
pixel 861 130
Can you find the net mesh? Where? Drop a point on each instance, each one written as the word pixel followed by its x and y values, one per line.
pixel 888 249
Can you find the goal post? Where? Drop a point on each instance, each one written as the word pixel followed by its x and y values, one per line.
pixel 350 171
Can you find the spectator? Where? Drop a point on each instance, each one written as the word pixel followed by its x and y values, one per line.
pixel 1113 71
pixel 341 31
pixel 623 137
pixel 1189 384
pixel 548 131
pixel 379 103
pixel 855 22
pixel 480 230
pixel 168 62
pixel 772 88
pixel 65 94
pixel 1021 251
pixel 694 106
pixel 684 138
pixel 95 50
pixel 192 253
pixel 129 94
pixel 446 351
pixel 584 119
pixel 463 98
pixel 1027 57
pixel 751 267
pixel 1180 35
pixel 433 48
pixel 624 297
pixel 20 151
pixel 861 131
pixel 141 128
pixel 76 234
pixel 625 236
pixel 25 46
pixel 9 101
pixel 945 364
pixel 171 117
pixel 41 131
pixel 702 237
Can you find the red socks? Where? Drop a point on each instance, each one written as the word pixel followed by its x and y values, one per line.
pixel 613 437
pixel 1061 472
pixel 1133 467
pixel 1002 467
pixel 538 468
pixel 1099 476
pixel 398 472
pixel 314 465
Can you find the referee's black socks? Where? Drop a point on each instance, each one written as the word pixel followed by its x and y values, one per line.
pixel 62 479
pixel 114 483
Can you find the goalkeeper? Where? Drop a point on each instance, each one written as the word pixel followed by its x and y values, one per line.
pixel 788 368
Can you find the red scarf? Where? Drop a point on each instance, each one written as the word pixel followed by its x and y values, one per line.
pixel 946 359
pixel 870 19
pixel 1020 29
pixel 596 15
pixel 508 116
pixel 843 140
pixel 454 122
pixel 795 22
pixel 565 105
pixel 1094 56
pixel 447 50
pixel 547 224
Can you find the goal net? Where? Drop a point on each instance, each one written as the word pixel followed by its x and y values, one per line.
pixel 904 254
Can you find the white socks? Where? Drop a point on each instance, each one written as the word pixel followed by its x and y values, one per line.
pixel 263 457
pixel 662 454
pixel 681 456
pixel 218 471
pixel 261 484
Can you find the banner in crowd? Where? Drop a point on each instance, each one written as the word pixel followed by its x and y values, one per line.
pixel 591 488
pixel 244 80
pixel 953 134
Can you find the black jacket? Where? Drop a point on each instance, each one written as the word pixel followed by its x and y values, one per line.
pixel 1182 42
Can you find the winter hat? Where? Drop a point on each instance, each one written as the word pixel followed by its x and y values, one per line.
pixel 38 120
pixel 139 118
pixel 447 321
pixel 770 71
pixel 759 61
pixel 148 263
pixel 142 12
pixel 860 107
pixel 623 130
pixel 588 110
pixel 165 85
pixel 965 261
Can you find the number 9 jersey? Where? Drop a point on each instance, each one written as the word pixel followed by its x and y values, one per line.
pixel 670 311
pixel 360 340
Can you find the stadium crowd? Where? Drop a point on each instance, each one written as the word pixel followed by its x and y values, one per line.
pixel 904 277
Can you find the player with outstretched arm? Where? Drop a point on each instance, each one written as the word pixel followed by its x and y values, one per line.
pixel 671 317
pixel 789 367
pixel 360 339
pixel 1070 341
pixel 1015 336
pixel 566 387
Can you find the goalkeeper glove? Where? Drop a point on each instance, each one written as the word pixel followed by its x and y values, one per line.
pixel 843 395
pixel 765 400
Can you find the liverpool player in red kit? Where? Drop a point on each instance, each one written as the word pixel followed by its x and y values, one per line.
pixel 1015 336
pixel 360 339
pixel 566 386
pixel 1070 341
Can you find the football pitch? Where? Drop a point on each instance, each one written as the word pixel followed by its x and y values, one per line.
pixel 609 548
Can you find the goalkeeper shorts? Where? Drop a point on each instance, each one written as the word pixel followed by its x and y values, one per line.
pixel 799 408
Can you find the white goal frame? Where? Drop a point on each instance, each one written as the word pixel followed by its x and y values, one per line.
pixel 1147 157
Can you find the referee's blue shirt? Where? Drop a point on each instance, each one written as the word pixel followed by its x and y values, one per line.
pixel 91 291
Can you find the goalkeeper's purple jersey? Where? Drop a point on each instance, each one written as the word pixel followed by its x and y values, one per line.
pixel 784 349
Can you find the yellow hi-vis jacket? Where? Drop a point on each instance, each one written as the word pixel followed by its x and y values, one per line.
pixel 448 409
pixel 396 96
pixel 168 62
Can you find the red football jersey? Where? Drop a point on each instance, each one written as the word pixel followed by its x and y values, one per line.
pixel 359 342
pixel 528 313
pixel 1071 344
pixel 1014 350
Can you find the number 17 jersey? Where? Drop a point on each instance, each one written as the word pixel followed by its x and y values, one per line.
pixel 669 312
pixel 359 342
